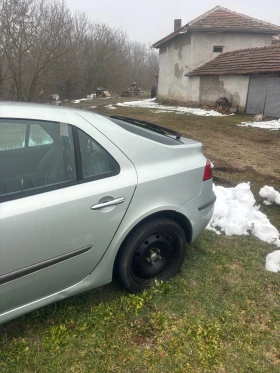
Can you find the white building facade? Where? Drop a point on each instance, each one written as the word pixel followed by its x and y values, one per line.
pixel 201 40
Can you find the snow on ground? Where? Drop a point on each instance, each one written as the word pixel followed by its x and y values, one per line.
pixel 236 213
pixel 80 99
pixel 151 104
pixel 273 261
pixel 270 195
pixel 268 125
pixel 163 111
pixel 110 107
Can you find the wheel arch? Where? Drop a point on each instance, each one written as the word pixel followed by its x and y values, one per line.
pixel 181 219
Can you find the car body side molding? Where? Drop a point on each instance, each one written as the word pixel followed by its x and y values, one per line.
pixel 42 265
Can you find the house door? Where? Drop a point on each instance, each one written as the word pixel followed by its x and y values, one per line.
pixel 264 96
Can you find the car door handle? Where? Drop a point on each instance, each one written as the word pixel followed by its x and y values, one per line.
pixel 114 202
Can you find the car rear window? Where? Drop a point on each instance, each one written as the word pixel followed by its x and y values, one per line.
pixel 146 132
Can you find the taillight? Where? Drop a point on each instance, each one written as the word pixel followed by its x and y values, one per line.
pixel 207 171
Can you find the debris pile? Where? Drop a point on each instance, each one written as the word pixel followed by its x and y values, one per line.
pixel 54 99
pixel 224 106
pixel 132 90
pixel 102 92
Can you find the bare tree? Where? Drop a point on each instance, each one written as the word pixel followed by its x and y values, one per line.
pixel 45 48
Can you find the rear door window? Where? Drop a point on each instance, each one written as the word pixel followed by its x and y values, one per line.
pixel 38 156
pixel 12 137
pixel 34 155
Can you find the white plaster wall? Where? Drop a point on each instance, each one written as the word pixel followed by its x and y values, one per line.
pixel 172 66
pixel 202 44
pixel 234 88
pixel 190 50
pixel 193 84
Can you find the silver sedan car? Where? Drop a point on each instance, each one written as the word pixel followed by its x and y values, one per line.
pixel 84 197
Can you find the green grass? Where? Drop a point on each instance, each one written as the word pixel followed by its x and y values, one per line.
pixel 220 314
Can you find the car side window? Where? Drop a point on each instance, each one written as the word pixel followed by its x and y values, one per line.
pixel 12 137
pixel 26 166
pixel 38 136
pixel 96 161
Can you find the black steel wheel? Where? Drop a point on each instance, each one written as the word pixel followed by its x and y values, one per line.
pixel 154 251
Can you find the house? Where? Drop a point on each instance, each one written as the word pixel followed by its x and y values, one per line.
pixel 215 33
pixel 249 78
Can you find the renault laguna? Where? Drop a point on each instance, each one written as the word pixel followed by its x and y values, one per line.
pixel 85 197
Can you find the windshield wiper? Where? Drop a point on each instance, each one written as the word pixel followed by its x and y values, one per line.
pixel 152 126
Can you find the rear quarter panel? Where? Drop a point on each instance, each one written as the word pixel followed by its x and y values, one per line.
pixel 170 178
pixel 167 175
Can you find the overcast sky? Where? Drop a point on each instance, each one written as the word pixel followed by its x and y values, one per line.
pixel 150 20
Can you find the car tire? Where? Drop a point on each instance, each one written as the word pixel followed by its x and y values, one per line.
pixel 155 250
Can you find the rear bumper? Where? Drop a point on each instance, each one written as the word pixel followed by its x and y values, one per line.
pixel 200 210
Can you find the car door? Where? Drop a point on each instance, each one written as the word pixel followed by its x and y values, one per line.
pixel 57 219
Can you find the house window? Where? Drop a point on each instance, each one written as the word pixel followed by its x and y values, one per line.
pixel 218 49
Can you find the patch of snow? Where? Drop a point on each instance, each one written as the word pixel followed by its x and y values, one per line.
pixel 110 107
pixel 151 104
pixel 272 263
pixel 267 203
pixel 213 229
pixel 92 107
pixel 270 194
pixel 235 213
pixel 268 125
pixel 160 111
pixel 80 99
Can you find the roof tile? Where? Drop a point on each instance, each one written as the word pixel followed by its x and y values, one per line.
pixel 223 20
pixel 242 62
pixel 220 17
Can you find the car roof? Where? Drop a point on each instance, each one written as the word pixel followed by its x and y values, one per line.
pixel 26 110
